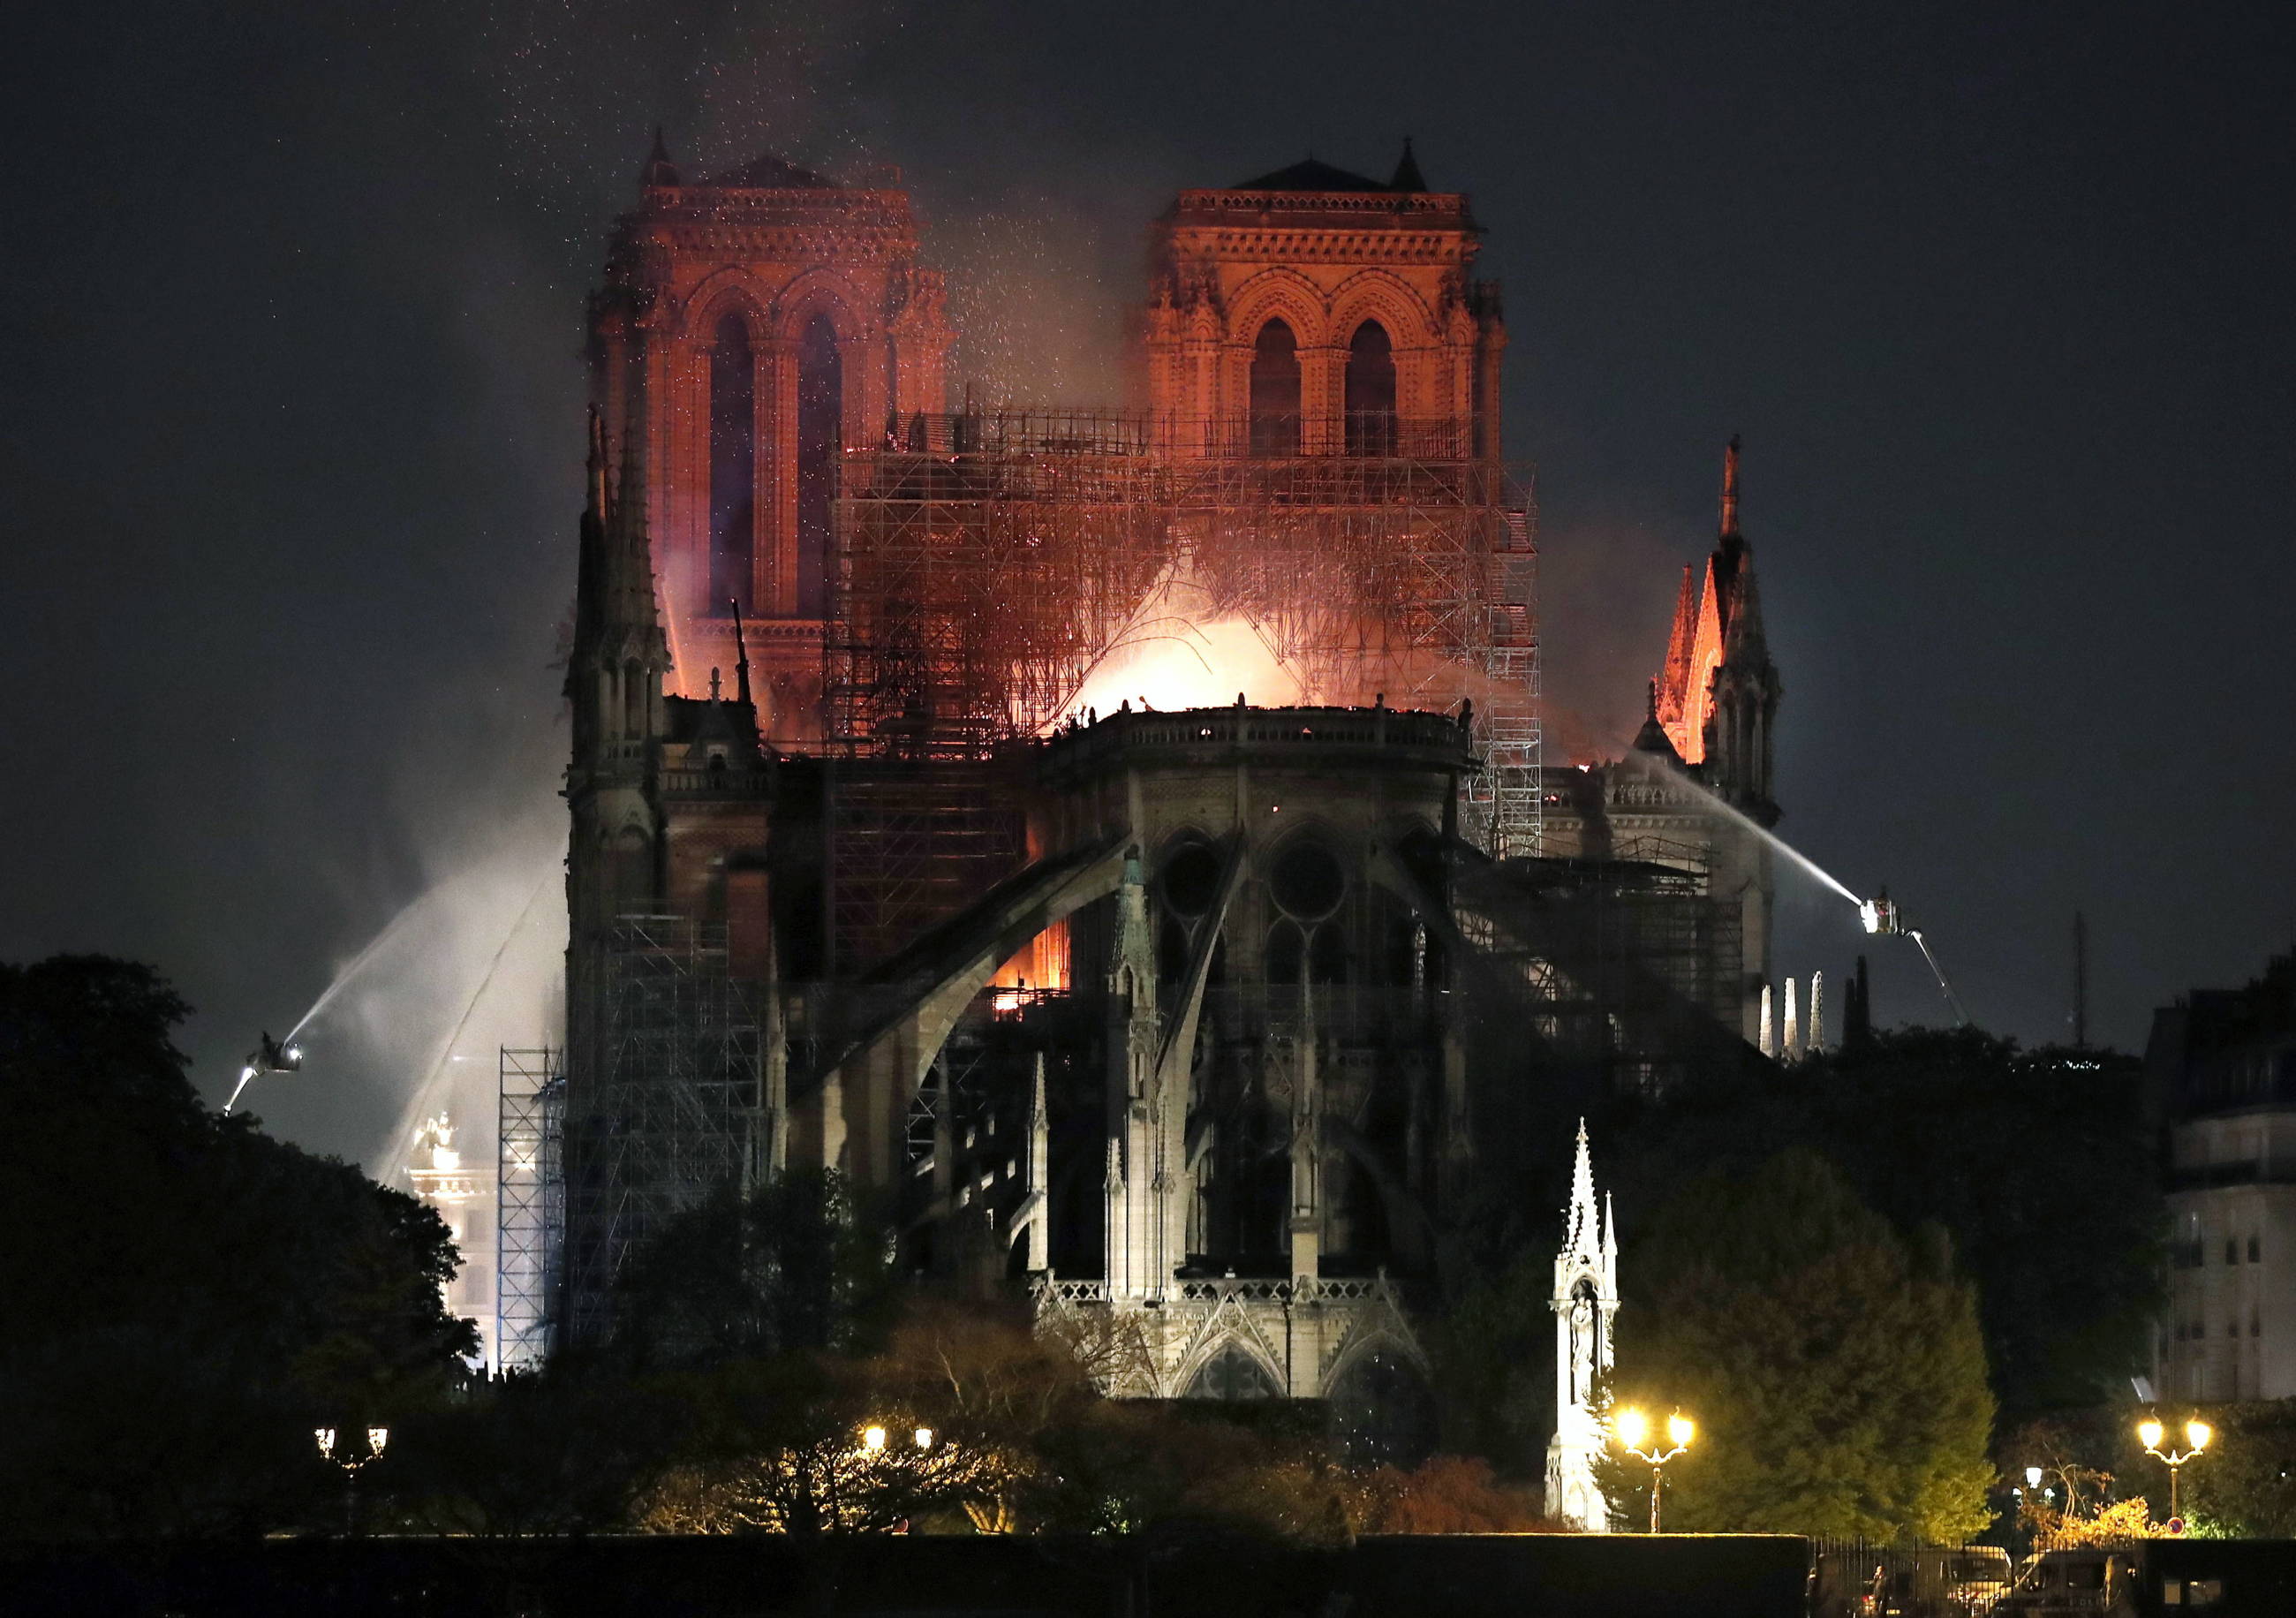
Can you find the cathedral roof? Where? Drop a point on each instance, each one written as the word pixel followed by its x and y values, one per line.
pixel 1313 174
pixel 767 172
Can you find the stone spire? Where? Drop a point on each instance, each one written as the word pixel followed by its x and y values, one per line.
pixel 741 657
pixel 617 616
pixel 1140 1259
pixel 1585 1302
pixel 1040 1159
pixel 1676 701
pixel 659 170
pixel 1815 1038
pixel 1746 687
pixel 1581 1234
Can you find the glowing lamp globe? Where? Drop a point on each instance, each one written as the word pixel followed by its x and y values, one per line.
pixel 1632 1428
pixel 873 1438
pixel 2197 1434
pixel 2150 1433
pixel 1681 1429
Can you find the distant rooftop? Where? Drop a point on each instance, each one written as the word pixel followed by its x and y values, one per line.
pixel 767 172
pixel 1312 174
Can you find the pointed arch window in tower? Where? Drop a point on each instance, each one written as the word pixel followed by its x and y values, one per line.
pixel 634 700
pixel 820 421
pixel 1276 391
pixel 733 467
pixel 1371 391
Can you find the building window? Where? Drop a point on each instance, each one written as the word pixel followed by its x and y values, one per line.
pixel 733 467
pixel 1287 948
pixel 820 429
pixel 1308 880
pixel 1276 391
pixel 1371 391
pixel 2255 1250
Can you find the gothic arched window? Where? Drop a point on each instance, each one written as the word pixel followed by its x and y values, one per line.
pixel 632 873
pixel 1371 391
pixel 820 426
pixel 634 700
pixel 1231 1374
pixel 1276 391
pixel 1382 1411
pixel 1287 948
pixel 733 467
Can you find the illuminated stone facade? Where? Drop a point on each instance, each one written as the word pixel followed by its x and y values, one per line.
pixel 463 1195
pixel 753 322
pixel 1586 1304
pixel 1319 312
pixel 1200 1027
pixel 2222 1067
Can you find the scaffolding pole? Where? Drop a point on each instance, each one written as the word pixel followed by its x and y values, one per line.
pixel 530 1208
pixel 981 571
pixel 676 1113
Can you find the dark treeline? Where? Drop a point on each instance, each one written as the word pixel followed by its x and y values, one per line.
pixel 187 1297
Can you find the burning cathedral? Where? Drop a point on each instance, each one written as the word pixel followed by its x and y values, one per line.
pixel 927 824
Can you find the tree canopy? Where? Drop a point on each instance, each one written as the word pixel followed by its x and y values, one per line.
pixel 1835 1368
pixel 193 1295
pixel 2013 1153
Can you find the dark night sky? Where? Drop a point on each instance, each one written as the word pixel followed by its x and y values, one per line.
pixel 290 405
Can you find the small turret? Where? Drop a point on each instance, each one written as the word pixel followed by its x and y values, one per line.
pixel 659 170
pixel 1651 738
pixel 1407 176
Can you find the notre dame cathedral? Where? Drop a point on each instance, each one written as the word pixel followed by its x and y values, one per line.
pixel 900 846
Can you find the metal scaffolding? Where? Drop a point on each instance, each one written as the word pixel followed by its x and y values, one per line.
pixel 911 841
pixel 530 1204
pixel 984 567
pixel 1632 964
pixel 676 1110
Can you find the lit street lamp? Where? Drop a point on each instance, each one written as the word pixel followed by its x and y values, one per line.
pixel 873 1439
pixel 2197 1434
pixel 1632 1429
pixel 376 1437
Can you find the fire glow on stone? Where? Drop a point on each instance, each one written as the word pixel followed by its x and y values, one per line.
pixel 1174 663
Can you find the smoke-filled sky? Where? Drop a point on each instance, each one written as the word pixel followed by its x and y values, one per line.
pixel 290 435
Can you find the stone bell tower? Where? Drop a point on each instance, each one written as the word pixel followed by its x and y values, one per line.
pixel 1312 311
pixel 1585 1300
pixel 759 322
